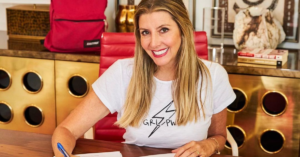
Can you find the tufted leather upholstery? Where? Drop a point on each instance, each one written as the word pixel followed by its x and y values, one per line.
pixel 116 46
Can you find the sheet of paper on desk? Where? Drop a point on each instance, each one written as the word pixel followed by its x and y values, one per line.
pixel 161 155
pixel 106 154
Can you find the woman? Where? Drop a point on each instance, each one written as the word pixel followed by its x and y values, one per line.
pixel 166 96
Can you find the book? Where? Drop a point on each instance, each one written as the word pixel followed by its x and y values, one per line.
pixel 261 61
pixel 284 66
pixel 263 56
pixel 263 53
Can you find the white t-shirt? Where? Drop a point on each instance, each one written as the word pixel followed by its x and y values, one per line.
pixel 159 128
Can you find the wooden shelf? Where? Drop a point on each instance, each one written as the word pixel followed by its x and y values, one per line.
pixel 25 2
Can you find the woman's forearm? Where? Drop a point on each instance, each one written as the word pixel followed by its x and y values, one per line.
pixel 66 138
pixel 219 142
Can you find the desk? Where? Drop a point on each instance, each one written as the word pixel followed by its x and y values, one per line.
pixel 21 144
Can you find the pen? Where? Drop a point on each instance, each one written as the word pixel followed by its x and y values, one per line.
pixel 62 150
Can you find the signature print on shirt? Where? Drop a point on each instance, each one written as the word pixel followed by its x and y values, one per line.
pixel 158 118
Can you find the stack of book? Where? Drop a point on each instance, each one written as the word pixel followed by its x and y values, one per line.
pixel 263 56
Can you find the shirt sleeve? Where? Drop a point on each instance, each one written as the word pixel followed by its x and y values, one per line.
pixel 223 94
pixel 107 87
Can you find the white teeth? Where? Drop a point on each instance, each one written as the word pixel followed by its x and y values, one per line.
pixel 160 52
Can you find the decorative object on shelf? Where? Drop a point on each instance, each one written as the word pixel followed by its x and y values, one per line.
pixel 130 18
pixel 125 17
pixel 257 28
pixel 121 19
pixel 27 25
pixel 285 11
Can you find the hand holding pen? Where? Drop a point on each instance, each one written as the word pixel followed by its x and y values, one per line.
pixel 62 150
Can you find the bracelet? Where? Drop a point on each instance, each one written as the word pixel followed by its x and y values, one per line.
pixel 217 149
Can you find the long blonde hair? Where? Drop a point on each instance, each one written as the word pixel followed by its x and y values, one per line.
pixel 187 72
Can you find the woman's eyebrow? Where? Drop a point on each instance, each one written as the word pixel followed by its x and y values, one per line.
pixel 163 25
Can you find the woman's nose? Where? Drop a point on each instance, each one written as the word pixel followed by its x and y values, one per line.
pixel 155 40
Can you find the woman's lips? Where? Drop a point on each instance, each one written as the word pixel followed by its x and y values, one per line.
pixel 160 53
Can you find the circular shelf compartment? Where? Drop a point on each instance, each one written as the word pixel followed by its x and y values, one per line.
pixel 5 79
pixel 240 101
pixel 78 86
pixel 238 135
pixel 274 103
pixel 271 141
pixel 34 116
pixel 6 113
pixel 32 82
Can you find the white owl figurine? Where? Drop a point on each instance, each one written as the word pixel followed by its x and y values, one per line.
pixel 257 28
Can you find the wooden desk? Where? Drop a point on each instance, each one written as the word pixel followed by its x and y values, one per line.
pixel 21 144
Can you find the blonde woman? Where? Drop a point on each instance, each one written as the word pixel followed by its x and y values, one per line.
pixel 166 97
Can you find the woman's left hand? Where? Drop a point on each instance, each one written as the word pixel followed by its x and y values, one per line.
pixel 203 148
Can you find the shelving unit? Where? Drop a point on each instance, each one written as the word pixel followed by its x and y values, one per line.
pixel 25 2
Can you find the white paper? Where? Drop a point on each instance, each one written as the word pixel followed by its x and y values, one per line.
pixel 106 154
pixel 161 155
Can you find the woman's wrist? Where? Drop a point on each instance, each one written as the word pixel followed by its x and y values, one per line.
pixel 216 144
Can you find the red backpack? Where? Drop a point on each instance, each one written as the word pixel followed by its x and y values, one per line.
pixel 76 26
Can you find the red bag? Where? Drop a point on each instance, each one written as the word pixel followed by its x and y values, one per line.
pixel 76 26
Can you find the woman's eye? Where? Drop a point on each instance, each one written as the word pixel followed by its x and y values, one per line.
pixel 163 30
pixel 144 32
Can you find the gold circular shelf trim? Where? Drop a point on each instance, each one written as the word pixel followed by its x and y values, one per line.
pixel 87 86
pixel 264 148
pixel 262 105
pixel 241 129
pixel 31 71
pixel 43 116
pixel 10 80
pixel 246 103
pixel 12 113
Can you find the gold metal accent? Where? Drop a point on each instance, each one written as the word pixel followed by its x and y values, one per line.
pixel 87 84
pixel 11 111
pixel 254 120
pixel 130 18
pixel 120 20
pixel 242 130
pixel 43 116
pixel 18 98
pixel 275 131
pixel 130 14
pixel 10 80
pixel 274 115
pixel 246 103
pixel 24 87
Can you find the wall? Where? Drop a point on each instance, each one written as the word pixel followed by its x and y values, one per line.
pixel 110 12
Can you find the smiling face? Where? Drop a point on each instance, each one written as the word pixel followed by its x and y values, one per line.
pixel 160 37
